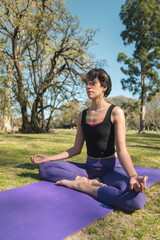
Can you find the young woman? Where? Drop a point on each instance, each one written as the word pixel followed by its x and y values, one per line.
pixel 108 174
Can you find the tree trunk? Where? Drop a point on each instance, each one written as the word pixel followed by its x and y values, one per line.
pixel 21 97
pixel 42 115
pixel 36 124
pixel 49 120
pixel 25 123
pixel 6 123
pixel 143 96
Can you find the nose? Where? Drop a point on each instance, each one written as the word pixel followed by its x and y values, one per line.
pixel 88 86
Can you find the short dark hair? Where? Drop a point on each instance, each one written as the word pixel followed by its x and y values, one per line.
pixel 102 76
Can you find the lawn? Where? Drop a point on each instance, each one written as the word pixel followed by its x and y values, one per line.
pixel 16 170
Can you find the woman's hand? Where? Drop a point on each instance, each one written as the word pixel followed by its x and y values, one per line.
pixel 38 158
pixel 138 183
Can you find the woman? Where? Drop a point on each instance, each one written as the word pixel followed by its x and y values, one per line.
pixel 108 174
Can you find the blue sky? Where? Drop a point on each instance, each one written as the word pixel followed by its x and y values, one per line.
pixel 104 15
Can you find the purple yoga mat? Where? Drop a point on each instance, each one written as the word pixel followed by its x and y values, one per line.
pixel 43 211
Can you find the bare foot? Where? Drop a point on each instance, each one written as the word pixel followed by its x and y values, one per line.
pixel 75 184
pixel 94 182
pixel 97 183
pixel 83 184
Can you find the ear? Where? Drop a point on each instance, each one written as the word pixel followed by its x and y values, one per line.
pixel 104 89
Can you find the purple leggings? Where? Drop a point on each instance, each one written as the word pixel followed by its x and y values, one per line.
pixel 110 172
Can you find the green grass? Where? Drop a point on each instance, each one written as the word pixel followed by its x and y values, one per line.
pixel 16 170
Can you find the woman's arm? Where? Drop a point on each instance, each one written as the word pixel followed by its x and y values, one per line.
pixel 118 119
pixel 75 150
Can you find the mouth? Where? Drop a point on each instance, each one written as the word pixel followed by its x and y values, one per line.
pixel 89 92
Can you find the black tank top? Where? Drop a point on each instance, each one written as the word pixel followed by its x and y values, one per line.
pixel 100 139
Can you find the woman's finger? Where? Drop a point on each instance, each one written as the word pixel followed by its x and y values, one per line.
pixel 141 187
pixel 131 186
pixel 38 155
pixel 136 187
pixel 32 159
pixel 145 178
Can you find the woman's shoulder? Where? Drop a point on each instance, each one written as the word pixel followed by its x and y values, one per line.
pixel 117 110
pixel 80 115
pixel 117 114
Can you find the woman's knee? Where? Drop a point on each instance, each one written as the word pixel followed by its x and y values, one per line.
pixel 42 169
pixel 47 168
pixel 136 203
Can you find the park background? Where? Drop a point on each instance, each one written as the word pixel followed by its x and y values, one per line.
pixel 44 53
pixel 37 88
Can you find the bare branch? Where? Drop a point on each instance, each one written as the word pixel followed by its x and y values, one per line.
pixel 4 26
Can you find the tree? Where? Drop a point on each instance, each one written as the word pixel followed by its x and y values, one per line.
pixel 131 109
pixel 7 82
pixel 6 75
pixel 153 113
pixel 142 28
pixel 70 113
pixel 49 51
pixel 67 116
pixel 1 96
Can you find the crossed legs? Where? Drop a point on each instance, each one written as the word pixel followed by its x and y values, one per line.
pixel 113 188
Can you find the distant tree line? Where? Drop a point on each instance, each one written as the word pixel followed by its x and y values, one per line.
pixel 67 118
pixel 132 111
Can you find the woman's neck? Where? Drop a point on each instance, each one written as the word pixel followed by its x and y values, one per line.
pixel 98 104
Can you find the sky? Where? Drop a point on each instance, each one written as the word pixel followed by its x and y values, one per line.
pixel 104 15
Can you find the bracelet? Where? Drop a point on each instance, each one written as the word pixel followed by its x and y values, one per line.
pixel 135 175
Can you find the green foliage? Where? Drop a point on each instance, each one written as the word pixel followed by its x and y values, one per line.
pixel 131 108
pixel 142 28
pixel 67 116
pixel 49 51
pixel 153 113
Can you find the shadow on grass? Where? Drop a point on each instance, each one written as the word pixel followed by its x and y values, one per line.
pixel 29 166
pixel 144 136
pixel 150 135
pixel 116 209
pixel 42 136
pixel 54 139
pixel 139 146
pixel 35 176
pixel 124 211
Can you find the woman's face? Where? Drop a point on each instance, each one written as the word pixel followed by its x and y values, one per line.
pixel 94 89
